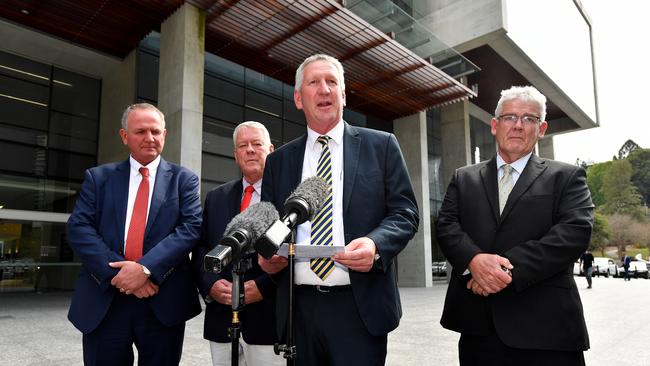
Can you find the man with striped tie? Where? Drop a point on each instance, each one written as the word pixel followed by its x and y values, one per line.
pixel 345 305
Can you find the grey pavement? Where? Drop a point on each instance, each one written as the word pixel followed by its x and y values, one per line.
pixel 34 329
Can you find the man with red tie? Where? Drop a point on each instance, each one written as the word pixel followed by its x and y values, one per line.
pixel 133 226
pixel 252 144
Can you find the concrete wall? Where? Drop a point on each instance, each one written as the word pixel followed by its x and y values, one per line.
pixel 456 144
pixel 180 85
pixel 118 92
pixel 414 263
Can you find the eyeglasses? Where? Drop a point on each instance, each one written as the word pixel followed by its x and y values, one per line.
pixel 526 119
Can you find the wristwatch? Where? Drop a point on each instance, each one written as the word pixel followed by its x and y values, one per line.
pixel 146 271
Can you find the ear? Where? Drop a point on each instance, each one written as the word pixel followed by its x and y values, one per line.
pixel 297 99
pixel 343 92
pixel 493 126
pixel 271 148
pixel 123 135
pixel 542 129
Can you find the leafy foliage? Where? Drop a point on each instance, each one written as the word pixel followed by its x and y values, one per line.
pixel 628 147
pixel 600 233
pixel 618 192
pixel 595 175
pixel 640 161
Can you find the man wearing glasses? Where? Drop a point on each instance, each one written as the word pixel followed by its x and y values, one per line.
pixel 512 228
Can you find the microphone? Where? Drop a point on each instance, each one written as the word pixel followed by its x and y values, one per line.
pixel 243 230
pixel 302 205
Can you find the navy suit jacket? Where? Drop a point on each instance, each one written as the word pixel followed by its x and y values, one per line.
pixel 545 226
pixel 257 319
pixel 378 202
pixel 96 234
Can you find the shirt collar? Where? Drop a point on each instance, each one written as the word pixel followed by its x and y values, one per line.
pixel 153 166
pixel 518 165
pixel 257 186
pixel 335 134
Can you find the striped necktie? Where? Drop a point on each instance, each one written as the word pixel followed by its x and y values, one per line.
pixel 506 182
pixel 321 226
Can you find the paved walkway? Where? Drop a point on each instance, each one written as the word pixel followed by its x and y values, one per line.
pixel 34 329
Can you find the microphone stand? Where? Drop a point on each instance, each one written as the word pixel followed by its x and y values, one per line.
pixel 238 269
pixel 289 349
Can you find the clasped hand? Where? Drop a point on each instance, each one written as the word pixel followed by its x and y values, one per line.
pixel 131 280
pixel 488 276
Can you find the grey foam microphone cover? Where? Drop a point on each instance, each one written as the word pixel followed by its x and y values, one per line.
pixel 314 190
pixel 255 219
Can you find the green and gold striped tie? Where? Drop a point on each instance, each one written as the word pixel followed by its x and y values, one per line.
pixel 321 226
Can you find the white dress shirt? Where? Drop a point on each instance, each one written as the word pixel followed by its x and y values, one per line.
pixel 134 182
pixel 340 275
pixel 517 167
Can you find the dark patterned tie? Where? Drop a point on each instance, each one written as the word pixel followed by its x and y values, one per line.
pixel 321 226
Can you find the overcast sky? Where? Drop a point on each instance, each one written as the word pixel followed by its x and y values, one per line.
pixel 622 57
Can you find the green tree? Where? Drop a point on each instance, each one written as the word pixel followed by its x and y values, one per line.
pixel 620 233
pixel 600 234
pixel 628 147
pixel 595 175
pixel 618 192
pixel 640 161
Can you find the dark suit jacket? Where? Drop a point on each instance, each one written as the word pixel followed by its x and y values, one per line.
pixel 545 226
pixel 96 234
pixel 257 319
pixel 378 202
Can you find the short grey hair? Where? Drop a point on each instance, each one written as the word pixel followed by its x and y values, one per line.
pixel 251 124
pixel 526 94
pixel 300 73
pixel 129 109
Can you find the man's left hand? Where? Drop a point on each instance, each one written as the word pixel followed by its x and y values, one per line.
pixel 359 255
pixel 251 292
pixel 130 278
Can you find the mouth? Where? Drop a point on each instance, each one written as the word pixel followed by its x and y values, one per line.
pixel 324 104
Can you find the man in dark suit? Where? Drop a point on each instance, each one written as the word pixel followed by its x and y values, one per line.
pixel 133 226
pixel 252 144
pixel 512 227
pixel 345 307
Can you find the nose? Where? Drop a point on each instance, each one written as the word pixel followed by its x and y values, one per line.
pixel 323 88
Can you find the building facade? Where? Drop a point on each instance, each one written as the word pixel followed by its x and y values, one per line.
pixel 427 71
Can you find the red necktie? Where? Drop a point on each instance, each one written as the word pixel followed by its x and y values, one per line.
pixel 247 198
pixel 135 237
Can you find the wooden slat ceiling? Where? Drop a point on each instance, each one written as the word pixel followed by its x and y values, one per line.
pixel 383 78
pixel 114 27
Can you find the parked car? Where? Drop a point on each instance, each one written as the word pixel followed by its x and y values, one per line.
pixel 604 266
pixel 439 269
pixel 638 269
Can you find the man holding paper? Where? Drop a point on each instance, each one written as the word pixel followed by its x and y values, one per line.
pixel 345 304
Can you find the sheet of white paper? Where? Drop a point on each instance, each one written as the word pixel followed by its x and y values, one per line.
pixel 306 251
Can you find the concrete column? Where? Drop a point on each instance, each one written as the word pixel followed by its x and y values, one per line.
pixel 545 148
pixel 414 263
pixel 456 145
pixel 118 92
pixel 180 85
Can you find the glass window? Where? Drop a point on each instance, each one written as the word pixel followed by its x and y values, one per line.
pixel 63 164
pixel 22 158
pixel 75 94
pixel 148 66
pixel 293 131
pixel 25 69
pixel 220 66
pixel 68 125
pixel 222 110
pixel 222 89
pixel 217 138
pixel 31 193
pixel 272 124
pixel 218 168
pixel 263 103
pixel 263 83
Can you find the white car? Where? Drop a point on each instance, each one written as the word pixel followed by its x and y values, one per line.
pixel 604 266
pixel 637 269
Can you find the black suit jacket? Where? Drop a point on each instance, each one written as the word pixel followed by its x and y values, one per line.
pixel 378 202
pixel 257 319
pixel 545 226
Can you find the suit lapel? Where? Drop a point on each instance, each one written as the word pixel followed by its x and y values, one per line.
pixel 163 177
pixel 531 172
pixel 296 158
pixel 351 147
pixel 489 176
pixel 234 199
pixel 119 183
